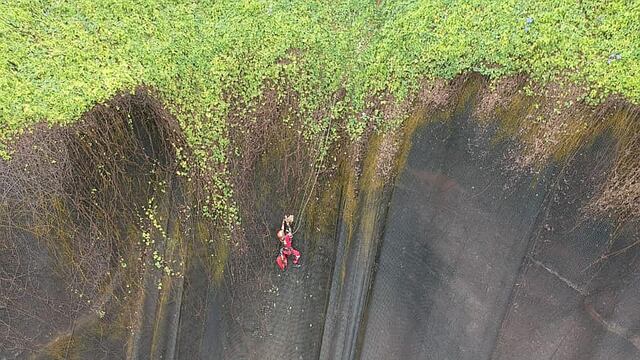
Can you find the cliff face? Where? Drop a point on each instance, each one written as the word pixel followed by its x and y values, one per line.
pixel 461 254
pixel 479 262
pixel 438 240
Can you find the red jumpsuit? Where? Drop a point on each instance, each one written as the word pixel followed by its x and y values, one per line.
pixel 286 251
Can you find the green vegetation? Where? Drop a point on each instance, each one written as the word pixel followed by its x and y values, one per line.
pixel 59 58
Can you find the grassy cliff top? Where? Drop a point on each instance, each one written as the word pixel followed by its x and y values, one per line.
pixel 59 58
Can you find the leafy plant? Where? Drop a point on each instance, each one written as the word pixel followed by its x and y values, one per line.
pixel 59 58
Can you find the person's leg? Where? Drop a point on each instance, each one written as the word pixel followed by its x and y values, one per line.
pixel 286 252
pixel 281 260
pixel 296 254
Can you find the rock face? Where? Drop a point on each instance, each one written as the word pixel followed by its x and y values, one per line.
pixel 475 263
pixel 459 256
pixel 453 254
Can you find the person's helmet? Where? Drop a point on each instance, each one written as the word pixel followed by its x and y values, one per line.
pixel 280 234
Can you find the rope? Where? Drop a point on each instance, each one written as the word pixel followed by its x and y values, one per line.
pixel 316 171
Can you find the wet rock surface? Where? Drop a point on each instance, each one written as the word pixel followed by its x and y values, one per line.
pixel 454 240
pixel 475 265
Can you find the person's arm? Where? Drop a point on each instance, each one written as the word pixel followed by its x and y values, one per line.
pixel 287 225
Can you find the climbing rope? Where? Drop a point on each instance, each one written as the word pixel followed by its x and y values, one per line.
pixel 317 167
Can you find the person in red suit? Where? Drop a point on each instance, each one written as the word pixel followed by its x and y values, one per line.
pixel 286 237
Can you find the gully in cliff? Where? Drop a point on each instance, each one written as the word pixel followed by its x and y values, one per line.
pixel 286 237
